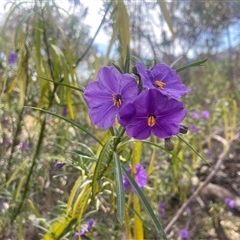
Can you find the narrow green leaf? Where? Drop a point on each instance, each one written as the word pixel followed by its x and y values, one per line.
pixel 146 204
pixel 102 154
pixel 83 154
pixel 166 15
pixel 119 189
pixel 150 143
pixel 69 121
pixel 172 64
pixel 189 145
pixel 118 68
pixel 62 84
pixel 195 64
pixel 112 40
pixel 122 24
pixel 21 22
pixel 127 62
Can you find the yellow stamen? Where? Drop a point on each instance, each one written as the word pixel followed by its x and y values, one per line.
pixel 117 100
pixel 151 120
pixel 160 84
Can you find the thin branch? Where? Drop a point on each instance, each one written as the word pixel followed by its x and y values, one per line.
pixel 201 186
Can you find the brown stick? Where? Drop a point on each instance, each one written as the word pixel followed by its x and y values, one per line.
pixel 201 186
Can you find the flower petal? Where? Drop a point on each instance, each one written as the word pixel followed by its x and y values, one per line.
pixel 96 94
pixel 108 77
pixel 126 113
pixel 165 130
pixel 104 115
pixel 141 176
pixel 138 129
pixel 128 87
pixel 145 75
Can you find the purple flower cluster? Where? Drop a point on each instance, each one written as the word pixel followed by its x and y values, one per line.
pixel 196 115
pixel 154 110
pixel 141 177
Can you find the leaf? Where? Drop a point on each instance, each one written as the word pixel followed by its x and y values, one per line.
pixel 172 65
pixel 189 145
pixel 118 68
pixel 195 64
pixel 83 154
pixel 62 84
pixel 69 121
pixel 122 24
pixel 69 103
pixel 104 150
pixel 119 189
pixel 113 38
pixel 151 143
pixel 145 203
pixel 166 15
pixel 127 62
pixel 19 28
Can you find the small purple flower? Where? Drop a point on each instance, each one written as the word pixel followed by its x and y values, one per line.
pixel 8 142
pixel 87 227
pixel 152 112
pixel 106 96
pixel 25 146
pixel 229 202
pixel 141 178
pixel 184 234
pixel 163 78
pixel 162 209
pixel 12 58
pixel 205 115
pixel 64 111
pixel 194 129
pixel 59 165
pixel 188 210
pixel 194 115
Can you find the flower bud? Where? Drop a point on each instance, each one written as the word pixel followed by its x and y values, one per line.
pixel 168 144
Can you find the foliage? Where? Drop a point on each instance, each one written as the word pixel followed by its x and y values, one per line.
pixel 58 171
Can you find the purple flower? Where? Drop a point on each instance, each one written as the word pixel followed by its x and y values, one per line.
pixel 205 115
pixel 162 209
pixel 194 129
pixel 140 177
pixel 188 210
pixel 184 234
pixel 229 202
pixel 87 227
pixel 152 112
pixel 194 115
pixel 25 146
pixel 64 111
pixel 59 165
pixel 163 78
pixel 106 96
pixel 12 58
pixel 8 142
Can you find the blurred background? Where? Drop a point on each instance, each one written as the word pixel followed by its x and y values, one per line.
pixel 50 50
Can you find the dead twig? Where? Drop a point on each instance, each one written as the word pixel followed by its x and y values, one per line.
pixel 202 185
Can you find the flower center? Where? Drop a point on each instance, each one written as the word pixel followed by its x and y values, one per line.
pixel 160 84
pixel 117 100
pixel 151 120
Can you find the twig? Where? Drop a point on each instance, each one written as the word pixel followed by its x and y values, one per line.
pixel 201 186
